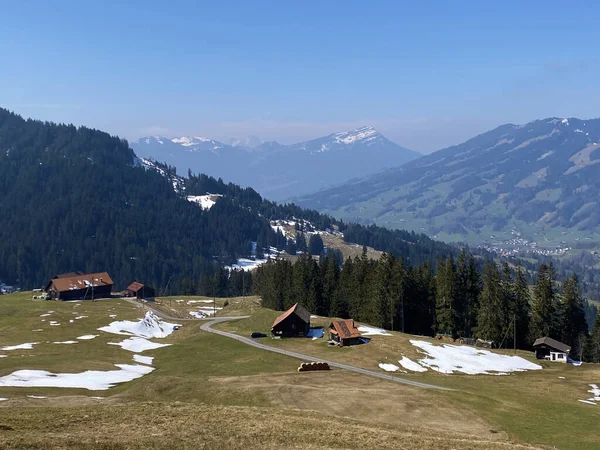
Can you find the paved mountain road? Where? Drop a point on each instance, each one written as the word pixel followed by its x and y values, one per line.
pixel 209 322
pixel 207 326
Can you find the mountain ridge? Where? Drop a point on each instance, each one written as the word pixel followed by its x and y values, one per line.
pixel 534 178
pixel 277 170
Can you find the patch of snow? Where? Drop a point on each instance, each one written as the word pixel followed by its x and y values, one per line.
pixel 191 302
pixel 3 399
pixel 148 327
pixel 36 396
pixel 66 342
pixel 545 155
pixel 588 402
pixel 39 329
pixel 411 365
pixel 246 264
pixel 54 323
pixel 26 346
pixel 143 359
pixel 372 331
pixel 350 137
pixel 112 316
pixel 565 121
pixel 469 360
pixel 389 367
pixel 3 356
pixel 204 201
pixel 138 344
pixel 93 380
pixel 80 317
pixel 87 337
pixel 45 315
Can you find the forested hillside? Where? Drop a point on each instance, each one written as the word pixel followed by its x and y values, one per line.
pixel 78 199
pixel 73 198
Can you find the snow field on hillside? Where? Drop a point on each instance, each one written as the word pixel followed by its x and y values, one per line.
pixel 469 360
pixel 151 326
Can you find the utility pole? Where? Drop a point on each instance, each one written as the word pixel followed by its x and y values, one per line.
pixel 515 332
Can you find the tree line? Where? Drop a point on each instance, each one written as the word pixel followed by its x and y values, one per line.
pixel 455 298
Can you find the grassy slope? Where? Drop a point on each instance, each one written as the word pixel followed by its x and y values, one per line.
pixel 536 406
pixel 208 392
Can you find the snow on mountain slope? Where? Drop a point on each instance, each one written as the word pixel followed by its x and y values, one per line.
pixel 199 143
pixel 278 171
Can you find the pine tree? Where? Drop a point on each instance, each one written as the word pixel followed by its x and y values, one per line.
pixel 315 244
pixel 330 277
pixel 543 308
pixel 522 308
pixel 491 317
pixel 508 301
pixel 340 303
pixel 445 296
pixel 591 352
pixel 573 322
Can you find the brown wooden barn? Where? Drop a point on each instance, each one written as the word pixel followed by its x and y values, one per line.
pixel 344 332
pixel 139 291
pixel 78 286
pixel 295 322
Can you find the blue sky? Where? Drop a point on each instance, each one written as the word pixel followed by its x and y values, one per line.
pixel 427 75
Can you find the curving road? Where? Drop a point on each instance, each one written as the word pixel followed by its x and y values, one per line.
pixel 207 326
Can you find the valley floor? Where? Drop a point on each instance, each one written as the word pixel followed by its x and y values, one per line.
pixel 209 391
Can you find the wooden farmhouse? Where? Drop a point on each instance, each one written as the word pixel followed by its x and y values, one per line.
pixel 344 332
pixel 295 322
pixel 79 286
pixel 140 291
pixel 551 349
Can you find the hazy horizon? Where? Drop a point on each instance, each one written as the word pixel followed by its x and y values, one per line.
pixel 425 76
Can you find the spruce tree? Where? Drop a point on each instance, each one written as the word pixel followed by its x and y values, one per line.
pixel 543 308
pixel 508 301
pixel 591 351
pixel 522 308
pixel 330 277
pixel 340 303
pixel 573 322
pixel 491 317
pixel 315 244
pixel 445 281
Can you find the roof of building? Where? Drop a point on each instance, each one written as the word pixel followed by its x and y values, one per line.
pixel 136 286
pixel 298 310
pixel 345 329
pixel 552 343
pixel 83 281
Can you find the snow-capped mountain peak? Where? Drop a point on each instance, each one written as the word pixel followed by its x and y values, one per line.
pixel 364 134
pixel 198 143
pixel 155 139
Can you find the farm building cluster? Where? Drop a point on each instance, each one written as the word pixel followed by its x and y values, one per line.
pixel 295 322
pixel 90 286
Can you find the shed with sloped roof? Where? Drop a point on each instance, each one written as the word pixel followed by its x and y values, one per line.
pixel 295 322
pixel 140 291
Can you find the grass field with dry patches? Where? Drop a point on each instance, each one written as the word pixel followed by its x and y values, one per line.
pixel 529 406
pixel 210 391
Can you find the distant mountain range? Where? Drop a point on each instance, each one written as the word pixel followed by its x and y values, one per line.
pixel 275 170
pixel 534 185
